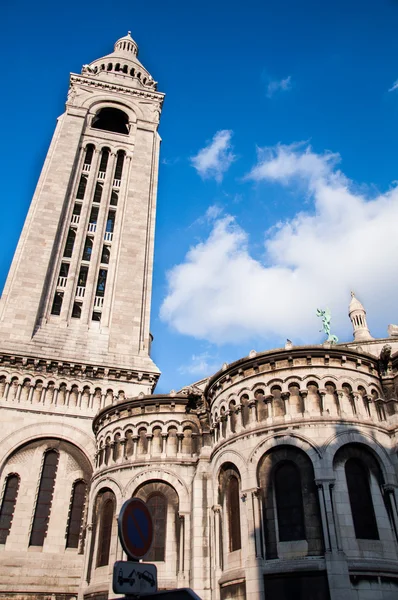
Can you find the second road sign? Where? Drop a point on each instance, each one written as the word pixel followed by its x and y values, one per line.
pixel 135 528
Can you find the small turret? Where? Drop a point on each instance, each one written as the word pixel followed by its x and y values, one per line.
pixel 357 314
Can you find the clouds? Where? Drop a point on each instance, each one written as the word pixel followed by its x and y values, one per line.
pixel 394 86
pixel 214 160
pixel 279 85
pixel 344 241
pixel 201 365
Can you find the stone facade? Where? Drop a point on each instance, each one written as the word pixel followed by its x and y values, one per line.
pixel 274 478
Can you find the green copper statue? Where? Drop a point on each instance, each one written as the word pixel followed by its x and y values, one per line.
pixel 326 318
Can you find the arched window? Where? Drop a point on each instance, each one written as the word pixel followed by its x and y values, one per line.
pixel 70 240
pixel 104 159
pixel 289 502
pixel 114 197
pixel 105 530
pixel 8 506
pixel 89 154
pixel 57 303
pixel 111 119
pixel 362 510
pixel 44 498
pixel 76 514
pixel 157 505
pixel 233 511
pixel 119 165
pixel 105 255
pixel 98 191
pixel 88 248
pixel 82 187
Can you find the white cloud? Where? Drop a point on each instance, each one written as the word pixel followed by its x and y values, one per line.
pixel 394 86
pixel 215 159
pixel 201 365
pixel 344 241
pixel 279 85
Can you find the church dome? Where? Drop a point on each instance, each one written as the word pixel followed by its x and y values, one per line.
pixel 122 63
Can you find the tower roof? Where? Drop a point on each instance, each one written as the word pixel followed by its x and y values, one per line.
pixel 355 304
pixel 126 45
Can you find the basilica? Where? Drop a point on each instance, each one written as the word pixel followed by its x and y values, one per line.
pixel 275 478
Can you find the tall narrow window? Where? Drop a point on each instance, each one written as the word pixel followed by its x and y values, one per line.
pixel 70 241
pixel 77 310
pixel 82 187
pixel 119 165
pixel 44 498
pixel 64 270
pixel 82 279
pixel 8 506
pixel 101 284
pixel 105 255
pixel 157 505
pixel 98 192
pixel 233 511
pixel 110 223
pixel 105 532
pixel 77 209
pixel 57 303
pixel 76 514
pixel 89 154
pixel 94 215
pixel 114 198
pixel 289 503
pixel 362 510
pixel 88 248
pixel 104 159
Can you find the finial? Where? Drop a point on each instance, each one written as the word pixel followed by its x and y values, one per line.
pixel 352 294
pixel 129 33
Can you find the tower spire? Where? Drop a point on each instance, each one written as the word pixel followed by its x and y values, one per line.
pixel 357 314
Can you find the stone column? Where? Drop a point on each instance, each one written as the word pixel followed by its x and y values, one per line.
pixel 304 395
pixel 135 445
pixel 123 456
pixel 164 444
pixel 257 522
pixel 217 537
pixel 31 391
pixel 180 565
pixel 6 389
pixel 228 428
pixel 18 394
pixel 91 400
pixel 286 397
pixel 180 437
pixel 43 394
pixel 269 399
pixel 149 437
pixel 55 396
pixel 67 396
pixel 252 412
pixel 322 505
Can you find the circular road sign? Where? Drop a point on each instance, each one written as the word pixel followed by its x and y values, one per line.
pixel 135 528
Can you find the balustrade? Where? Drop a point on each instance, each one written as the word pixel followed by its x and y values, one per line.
pixel 80 291
pixel 108 236
pixel 62 281
pixel 86 168
pixel 75 220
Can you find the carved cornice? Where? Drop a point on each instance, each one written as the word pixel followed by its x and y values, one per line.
pixel 73 369
pixel 116 87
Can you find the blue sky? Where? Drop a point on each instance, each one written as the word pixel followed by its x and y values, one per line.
pixel 278 160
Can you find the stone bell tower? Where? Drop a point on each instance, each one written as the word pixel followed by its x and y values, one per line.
pixel 79 287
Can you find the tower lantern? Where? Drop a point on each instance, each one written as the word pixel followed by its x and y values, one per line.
pixel 357 314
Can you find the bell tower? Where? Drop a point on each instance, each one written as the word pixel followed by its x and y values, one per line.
pixel 79 287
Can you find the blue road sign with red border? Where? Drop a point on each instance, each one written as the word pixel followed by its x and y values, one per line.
pixel 135 528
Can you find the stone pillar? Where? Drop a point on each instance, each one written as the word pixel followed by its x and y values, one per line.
pixel 91 400
pixel 181 547
pixel 31 391
pixel 217 537
pixel 304 395
pixel 286 397
pixel 269 399
pixel 55 396
pixel 67 396
pixel 43 394
pixel 200 535
pixel 149 437
pixel 180 437
pixel 228 428
pixel 164 444
pixel 6 389
pixel 103 396
pixel 258 523
pixel 123 442
pixel 135 445
pixel 18 394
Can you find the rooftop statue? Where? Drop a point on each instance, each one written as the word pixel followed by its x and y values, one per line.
pixel 326 317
